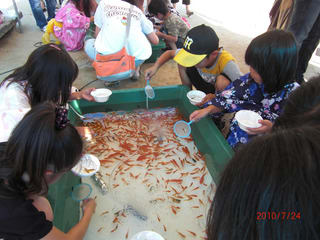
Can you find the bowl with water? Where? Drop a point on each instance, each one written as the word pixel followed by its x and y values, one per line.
pixel 147 235
pixel 195 96
pixel 87 166
pixel 248 119
pixel 101 94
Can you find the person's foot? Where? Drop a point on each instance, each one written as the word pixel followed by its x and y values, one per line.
pixel 44 28
pixel 189 13
pixel 136 75
pixel 111 84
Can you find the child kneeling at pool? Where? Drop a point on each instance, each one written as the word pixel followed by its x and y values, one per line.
pixel 39 151
pixel 272 57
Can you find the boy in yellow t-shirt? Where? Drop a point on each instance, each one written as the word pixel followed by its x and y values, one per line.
pixel 201 62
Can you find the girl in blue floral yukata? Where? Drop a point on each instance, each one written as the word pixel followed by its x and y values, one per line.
pixel 272 57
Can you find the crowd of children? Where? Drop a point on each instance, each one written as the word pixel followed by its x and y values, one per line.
pixel 268 189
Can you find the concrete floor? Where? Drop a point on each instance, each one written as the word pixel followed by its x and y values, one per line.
pixel 15 47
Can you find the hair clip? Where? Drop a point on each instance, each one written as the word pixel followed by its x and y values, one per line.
pixel 61 118
pixel 55 46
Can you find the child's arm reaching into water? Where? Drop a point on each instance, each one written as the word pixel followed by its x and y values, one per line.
pixel 165 57
pixel 79 230
pixel 199 114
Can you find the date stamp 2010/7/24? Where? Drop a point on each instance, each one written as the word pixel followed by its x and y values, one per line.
pixel 285 215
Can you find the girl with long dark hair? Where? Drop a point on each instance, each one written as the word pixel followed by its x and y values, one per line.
pixel 47 75
pixel 40 150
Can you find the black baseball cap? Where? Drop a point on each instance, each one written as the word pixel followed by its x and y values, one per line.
pixel 200 41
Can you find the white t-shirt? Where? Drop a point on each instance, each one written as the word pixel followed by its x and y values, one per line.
pixel 14 104
pixel 111 18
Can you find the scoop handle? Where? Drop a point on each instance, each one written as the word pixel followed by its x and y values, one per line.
pixel 76 112
pixel 190 122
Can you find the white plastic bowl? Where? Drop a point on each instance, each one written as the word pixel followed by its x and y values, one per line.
pixel 147 235
pixel 87 166
pixel 101 94
pixel 195 96
pixel 248 119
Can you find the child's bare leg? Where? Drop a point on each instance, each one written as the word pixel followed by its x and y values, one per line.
pixel 189 13
pixel 221 83
pixel 138 71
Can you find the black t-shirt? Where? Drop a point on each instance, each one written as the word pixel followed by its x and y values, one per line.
pixel 20 220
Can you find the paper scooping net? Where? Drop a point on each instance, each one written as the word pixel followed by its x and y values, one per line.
pixel 81 192
pixel 149 91
pixel 182 129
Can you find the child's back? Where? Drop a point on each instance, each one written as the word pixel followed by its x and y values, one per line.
pixel 73 30
pixel 176 26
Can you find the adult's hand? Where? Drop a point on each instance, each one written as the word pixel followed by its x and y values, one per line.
pixel 266 126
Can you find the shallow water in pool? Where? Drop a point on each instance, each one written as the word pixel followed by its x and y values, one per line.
pixel 155 180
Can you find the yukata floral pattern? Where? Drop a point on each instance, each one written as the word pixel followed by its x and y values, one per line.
pixel 74 27
pixel 245 93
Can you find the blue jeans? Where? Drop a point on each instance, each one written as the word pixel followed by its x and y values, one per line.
pixel 38 12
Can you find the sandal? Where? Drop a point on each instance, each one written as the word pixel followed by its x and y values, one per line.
pixel 136 75
pixel 111 84
pixel 189 13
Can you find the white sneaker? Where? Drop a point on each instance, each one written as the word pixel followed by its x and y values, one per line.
pixel 44 28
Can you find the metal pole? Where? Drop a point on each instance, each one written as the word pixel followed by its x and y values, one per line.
pixel 17 14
